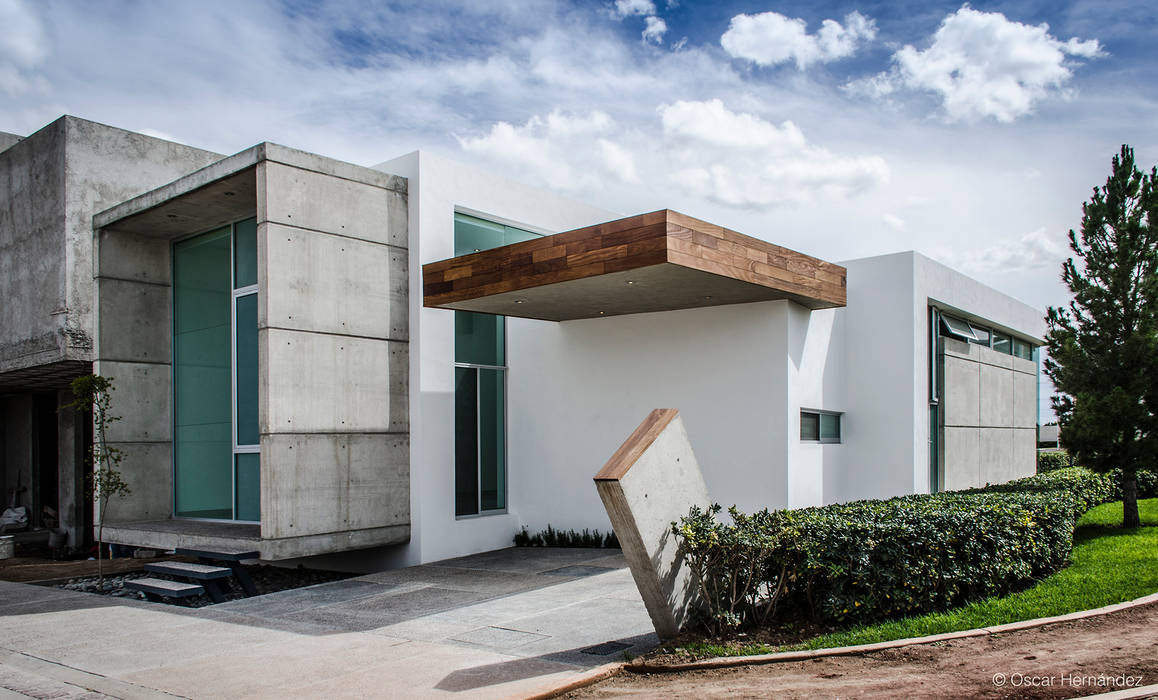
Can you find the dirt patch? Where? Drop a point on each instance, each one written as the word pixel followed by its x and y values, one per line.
pixel 1063 660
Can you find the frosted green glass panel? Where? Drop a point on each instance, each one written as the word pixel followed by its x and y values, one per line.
pixel 479 339
pixel 248 487
pixel 245 253
pixel 202 407
pixel 492 439
pixel 246 358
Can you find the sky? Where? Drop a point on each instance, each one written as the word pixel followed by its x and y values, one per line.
pixel 971 133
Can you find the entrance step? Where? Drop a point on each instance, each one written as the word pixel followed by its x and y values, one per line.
pixel 155 588
pixel 231 558
pixel 209 576
pixel 201 572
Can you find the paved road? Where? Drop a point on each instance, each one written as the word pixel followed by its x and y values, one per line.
pixel 498 624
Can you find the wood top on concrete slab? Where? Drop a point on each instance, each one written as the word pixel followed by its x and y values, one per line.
pixel 634 446
pixel 659 261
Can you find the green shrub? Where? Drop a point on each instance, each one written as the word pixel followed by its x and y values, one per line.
pixel 1146 483
pixel 877 559
pixel 566 538
pixel 1049 461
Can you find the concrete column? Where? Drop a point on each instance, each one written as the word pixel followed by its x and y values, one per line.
pixel 71 459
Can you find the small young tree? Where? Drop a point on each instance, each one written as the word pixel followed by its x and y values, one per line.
pixel 94 393
pixel 1103 349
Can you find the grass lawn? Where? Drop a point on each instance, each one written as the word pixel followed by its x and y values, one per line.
pixel 1108 565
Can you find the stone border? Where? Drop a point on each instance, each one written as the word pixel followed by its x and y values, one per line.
pixel 600 673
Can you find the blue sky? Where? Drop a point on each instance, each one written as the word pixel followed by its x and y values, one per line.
pixel 969 132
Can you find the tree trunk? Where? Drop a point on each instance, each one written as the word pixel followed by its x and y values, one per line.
pixel 1130 499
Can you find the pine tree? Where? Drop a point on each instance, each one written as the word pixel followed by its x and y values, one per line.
pixel 1104 347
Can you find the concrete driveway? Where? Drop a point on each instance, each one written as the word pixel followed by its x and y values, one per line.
pixel 498 624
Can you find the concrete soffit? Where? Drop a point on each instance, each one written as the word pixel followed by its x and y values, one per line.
pixel 223 192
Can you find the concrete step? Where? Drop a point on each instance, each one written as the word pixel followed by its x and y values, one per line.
pixel 160 587
pixel 217 555
pixel 201 572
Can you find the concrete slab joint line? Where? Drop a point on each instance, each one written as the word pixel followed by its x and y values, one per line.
pixel 652 480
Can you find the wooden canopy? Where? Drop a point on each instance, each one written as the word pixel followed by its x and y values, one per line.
pixel 651 262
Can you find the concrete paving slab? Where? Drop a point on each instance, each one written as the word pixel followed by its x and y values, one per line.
pixel 256 671
pixel 459 578
pixel 526 559
pixel 291 601
pixel 491 625
pixel 371 612
pixel 497 638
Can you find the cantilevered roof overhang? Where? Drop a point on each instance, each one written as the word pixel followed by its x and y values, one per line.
pixel 660 261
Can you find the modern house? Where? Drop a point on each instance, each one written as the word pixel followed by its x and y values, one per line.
pixel 414 361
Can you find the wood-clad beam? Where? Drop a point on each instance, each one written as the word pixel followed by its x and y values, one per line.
pixel 651 262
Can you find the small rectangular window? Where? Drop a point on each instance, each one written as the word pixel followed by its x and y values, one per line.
pixel 819 426
pixel 981 334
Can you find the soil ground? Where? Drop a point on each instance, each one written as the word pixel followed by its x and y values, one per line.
pixel 1064 660
pixel 32 569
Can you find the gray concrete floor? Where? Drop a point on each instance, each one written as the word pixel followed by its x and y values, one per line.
pixel 498 624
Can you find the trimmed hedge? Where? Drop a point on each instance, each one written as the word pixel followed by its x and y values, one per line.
pixel 869 560
pixel 1049 461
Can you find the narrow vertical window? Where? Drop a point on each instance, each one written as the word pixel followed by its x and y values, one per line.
pixel 480 384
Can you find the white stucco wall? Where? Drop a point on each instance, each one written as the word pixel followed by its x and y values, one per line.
pixel 437 188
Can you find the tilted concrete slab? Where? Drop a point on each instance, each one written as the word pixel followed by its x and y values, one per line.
pixel 650 482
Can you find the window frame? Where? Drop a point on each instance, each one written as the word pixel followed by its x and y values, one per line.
pixel 820 439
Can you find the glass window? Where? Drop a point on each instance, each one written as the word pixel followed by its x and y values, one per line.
pixel 1002 343
pixel 809 426
pixel 202 406
pixel 1022 349
pixel 245 254
pixel 820 426
pixel 216 438
pixel 480 431
pixel 956 328
pixel 981 335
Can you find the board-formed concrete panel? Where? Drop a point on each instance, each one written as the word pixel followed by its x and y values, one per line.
pixel 147 468
pixel 997 457
pixel 312 200
pixel 650 482
pixel 142 400
pixel 134 322
pixel 322 383
pixel 962 458
pixel 996 396
pixel 961 391
pixel 321 484
pixel 1024 400
pixel 135 258
pixel 333 284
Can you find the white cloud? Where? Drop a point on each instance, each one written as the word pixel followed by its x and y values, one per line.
pixel 654 30
pixel 741 160
pixel 894 222
pixel 1034 251
pixel 557 150
pixel 23 48
pixel 770 38
pixel 983 65
pixel 628 8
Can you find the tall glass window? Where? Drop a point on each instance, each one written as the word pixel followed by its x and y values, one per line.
pixel 480 381
pixel 216 442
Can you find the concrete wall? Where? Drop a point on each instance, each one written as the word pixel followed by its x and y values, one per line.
pixel 437 189
pixel 52 183
pixel 989 415
pixel 333 344
pixel 7 139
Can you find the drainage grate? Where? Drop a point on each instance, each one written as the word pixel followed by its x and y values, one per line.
pixel 606 648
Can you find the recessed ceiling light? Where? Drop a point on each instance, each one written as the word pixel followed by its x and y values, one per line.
pixel 520 301
pixel 230 194
pixel 631 281
pixel 600 313
pixel 708 298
